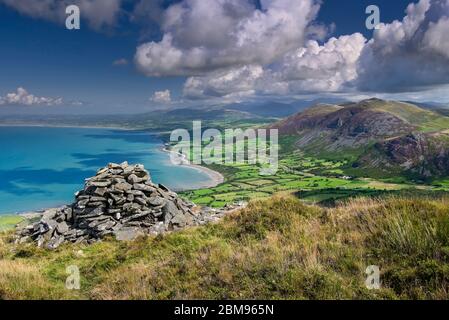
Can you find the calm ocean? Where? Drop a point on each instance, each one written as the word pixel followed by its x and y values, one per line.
pixel 43 167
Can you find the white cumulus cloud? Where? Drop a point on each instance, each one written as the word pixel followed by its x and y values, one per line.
pixel 408 55
pixel 241 80
pixel 306 69
pixel 411 54
pixel 22 98
pixel 326 67
pixel 436 38
pixel 161 96
pixel 202 36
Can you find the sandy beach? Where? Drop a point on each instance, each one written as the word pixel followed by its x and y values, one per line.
pixel 216 178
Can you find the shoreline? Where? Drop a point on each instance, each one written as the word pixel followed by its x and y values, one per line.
pixel 66 126
pixel 216 177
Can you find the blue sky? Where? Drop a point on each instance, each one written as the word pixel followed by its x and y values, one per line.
pixel 39 54
pixel 48 60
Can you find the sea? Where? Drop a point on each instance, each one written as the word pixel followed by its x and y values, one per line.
pixel 42 167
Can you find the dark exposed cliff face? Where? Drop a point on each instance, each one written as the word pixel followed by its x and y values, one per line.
pixel 422 155
pixel 359 122
pixel 334 127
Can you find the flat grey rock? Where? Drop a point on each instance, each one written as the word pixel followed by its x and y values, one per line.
pixel 62 227
pixel 157 201
pixel 128 234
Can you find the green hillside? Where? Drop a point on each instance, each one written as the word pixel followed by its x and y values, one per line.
pixel 425 120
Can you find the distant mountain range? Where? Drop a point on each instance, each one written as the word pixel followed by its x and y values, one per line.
pixel 277 109
pixel 378 137
pixel 170 118
pixel 440 108
pixel 156 120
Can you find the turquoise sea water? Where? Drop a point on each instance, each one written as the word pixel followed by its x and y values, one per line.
pixel 43 167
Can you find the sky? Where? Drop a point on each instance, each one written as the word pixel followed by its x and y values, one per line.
pixel 134 56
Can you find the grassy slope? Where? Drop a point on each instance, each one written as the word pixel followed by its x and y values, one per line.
pixel 426 120
pixel 9 221
pixel 277 248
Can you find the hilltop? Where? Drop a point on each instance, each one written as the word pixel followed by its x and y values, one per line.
pixel 387 136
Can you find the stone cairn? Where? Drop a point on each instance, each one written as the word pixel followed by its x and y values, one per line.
pixel 120 201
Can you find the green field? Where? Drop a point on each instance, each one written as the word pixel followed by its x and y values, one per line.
pixel 311 179
pixel 9 221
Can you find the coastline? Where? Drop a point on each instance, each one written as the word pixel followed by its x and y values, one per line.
pixel 24 125
pixel 216 177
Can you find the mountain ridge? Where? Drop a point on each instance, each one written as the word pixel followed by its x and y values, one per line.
pixel 387 136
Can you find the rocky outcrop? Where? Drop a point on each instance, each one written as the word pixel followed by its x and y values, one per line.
pixel 421 155
pixel 121 202
pixel 336 128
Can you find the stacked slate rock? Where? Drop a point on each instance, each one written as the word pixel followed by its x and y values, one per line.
pixel 119 201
